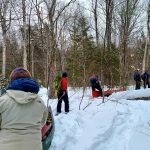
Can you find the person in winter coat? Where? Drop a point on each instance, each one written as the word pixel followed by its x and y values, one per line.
pixel 63 94
pixel 95 83
pixel 137 79
pixel 22 113
pixel 145 77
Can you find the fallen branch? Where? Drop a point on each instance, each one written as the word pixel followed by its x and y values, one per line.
pixel 140 98
pixel 117 98
pixel 87 105
pixel 82 97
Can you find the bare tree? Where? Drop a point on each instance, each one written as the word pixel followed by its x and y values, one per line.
pixel 5 27
pixel 24 34
pixel 128 20
pixel 108 30
pixel 51 26
pixel 95 8
pixel 148 19
pixel 146 54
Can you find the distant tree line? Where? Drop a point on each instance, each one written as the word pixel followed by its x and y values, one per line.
pixel 108 37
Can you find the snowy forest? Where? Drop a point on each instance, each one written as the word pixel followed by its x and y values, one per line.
pixel 107 37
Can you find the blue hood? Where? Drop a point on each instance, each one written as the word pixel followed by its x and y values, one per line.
pixel 24 84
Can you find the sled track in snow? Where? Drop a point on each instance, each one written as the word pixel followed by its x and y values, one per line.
pixel 117 127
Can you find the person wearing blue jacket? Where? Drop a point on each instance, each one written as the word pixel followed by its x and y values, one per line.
pixel 145 77
pixel 95 83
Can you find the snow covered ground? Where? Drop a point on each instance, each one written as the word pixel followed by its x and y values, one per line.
pixel 117 124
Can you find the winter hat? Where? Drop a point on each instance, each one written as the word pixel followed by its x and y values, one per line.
pixel 64 74
pixel 19 73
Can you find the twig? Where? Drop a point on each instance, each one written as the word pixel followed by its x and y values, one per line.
pixel 105 101
pixel 118 98
pixel 103 95
pixel 118 102
pixel 82 98
pixel 87 105
pixel 74 93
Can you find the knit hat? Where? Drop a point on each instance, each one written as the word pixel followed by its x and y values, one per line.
pixel 64 74
pixel 19 73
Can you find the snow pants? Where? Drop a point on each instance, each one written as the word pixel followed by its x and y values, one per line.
pixel 138 85
pixel 146 83
pixel 64 98
pixel 97 87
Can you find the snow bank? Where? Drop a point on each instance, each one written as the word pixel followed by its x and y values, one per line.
pixel 117 124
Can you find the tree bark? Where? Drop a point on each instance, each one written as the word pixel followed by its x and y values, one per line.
pixel 24 34
pixel 146 54
pixel 108 30
pixel 3 14
pixel 126 28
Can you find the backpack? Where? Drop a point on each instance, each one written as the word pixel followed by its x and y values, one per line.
pixel 57 82
pixel 143 76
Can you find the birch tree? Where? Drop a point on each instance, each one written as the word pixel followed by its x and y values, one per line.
pixel 24 33
pixel 5 26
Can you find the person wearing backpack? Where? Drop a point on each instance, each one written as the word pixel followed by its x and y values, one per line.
pixel 145 77
pixel 63 94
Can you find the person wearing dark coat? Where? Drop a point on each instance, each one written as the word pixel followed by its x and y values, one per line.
pixel 63 94
pixel 137 79
pixel 145 77
pixel 95 83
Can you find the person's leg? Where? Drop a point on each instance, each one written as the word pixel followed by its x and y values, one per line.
pixel 98 87
pixel 66 101
pixel 59 102
pixel 93 88
pixel 100 90
pixel 148 84
pixel 138 85
pixel 135 85
pixel 144 84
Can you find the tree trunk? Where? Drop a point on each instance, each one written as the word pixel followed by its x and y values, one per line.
pixel 148 20
pixel 108 30
pixel 24 35
pixel 96 22
pixel 4 55
pixel 126 28
pixel 144 57
pixel 32 61
pixel 146 54
pixel 3 14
